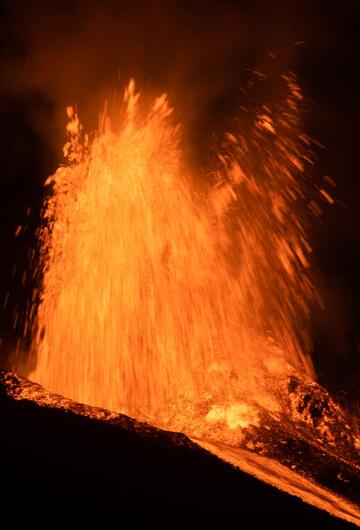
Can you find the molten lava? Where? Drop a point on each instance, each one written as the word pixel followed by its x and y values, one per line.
pixel 155 289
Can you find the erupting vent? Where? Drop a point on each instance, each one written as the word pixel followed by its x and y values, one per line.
pixel 156 289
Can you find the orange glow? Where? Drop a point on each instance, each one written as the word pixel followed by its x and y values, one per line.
pixel 327 196
pixel 153 287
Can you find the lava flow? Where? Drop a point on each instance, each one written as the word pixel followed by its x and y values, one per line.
pixel 157 290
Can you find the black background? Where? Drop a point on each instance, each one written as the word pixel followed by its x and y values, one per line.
pixel 56 53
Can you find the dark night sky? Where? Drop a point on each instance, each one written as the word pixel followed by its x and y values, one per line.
pixel 55 53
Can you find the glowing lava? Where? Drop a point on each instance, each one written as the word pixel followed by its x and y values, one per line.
pixel 151 285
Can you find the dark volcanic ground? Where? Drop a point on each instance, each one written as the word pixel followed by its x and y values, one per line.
pixel 81 463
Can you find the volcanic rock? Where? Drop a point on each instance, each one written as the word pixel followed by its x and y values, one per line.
pixel 83 462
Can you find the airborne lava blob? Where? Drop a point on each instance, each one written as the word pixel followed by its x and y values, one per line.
pixel 152 287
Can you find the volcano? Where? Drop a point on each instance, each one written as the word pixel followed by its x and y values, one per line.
pixel 85 461
pixel 171 306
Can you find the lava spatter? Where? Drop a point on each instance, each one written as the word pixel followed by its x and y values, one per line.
pixel 149 283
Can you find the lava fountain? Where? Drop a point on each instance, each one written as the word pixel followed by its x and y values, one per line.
pixel 151 282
